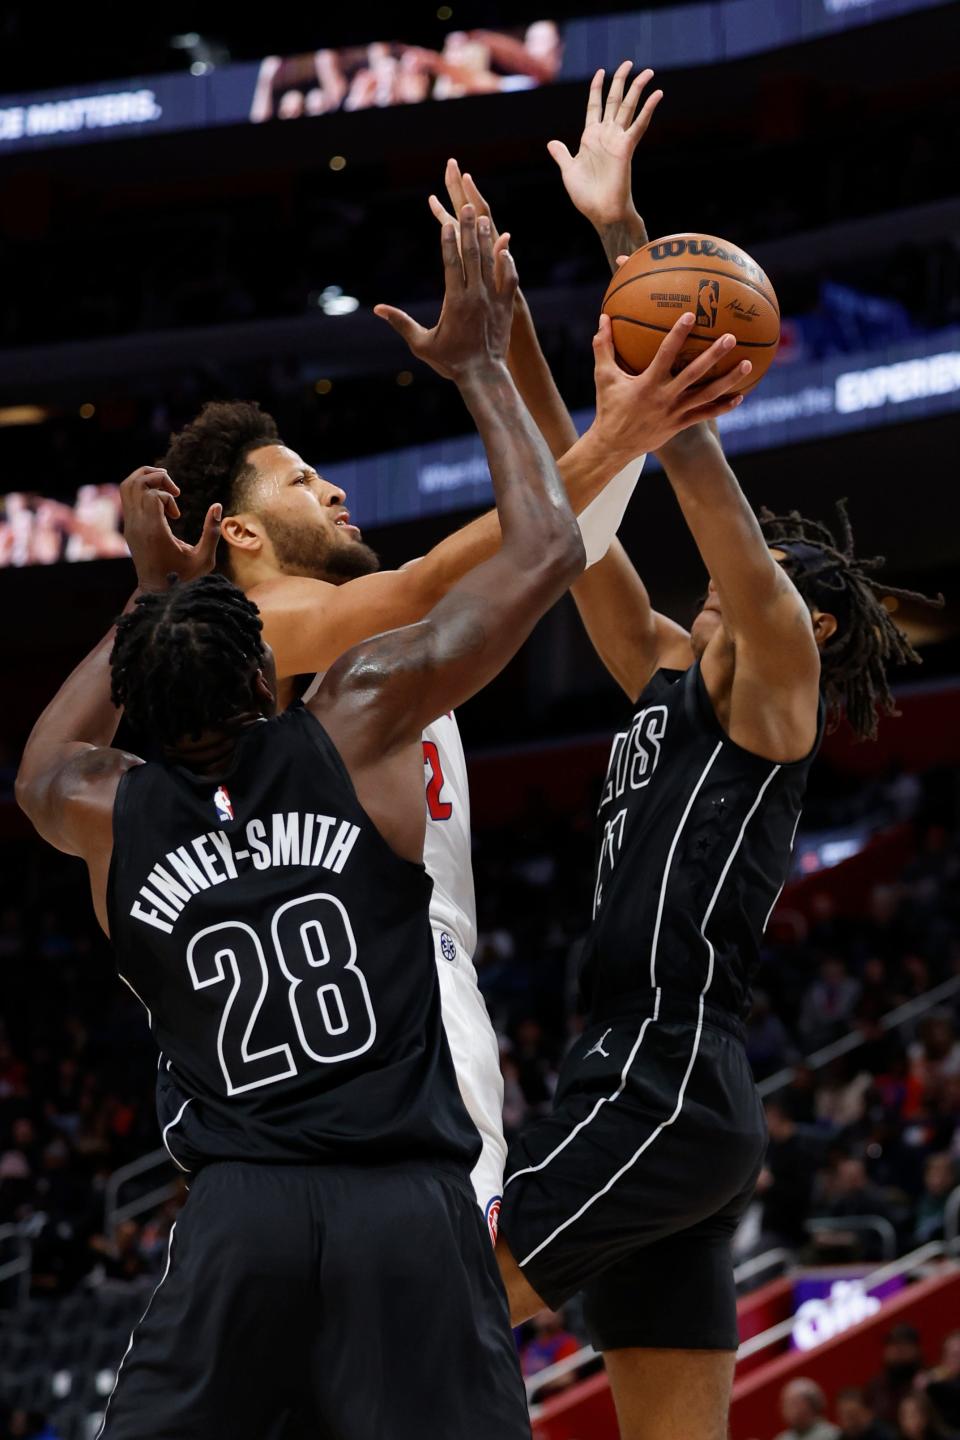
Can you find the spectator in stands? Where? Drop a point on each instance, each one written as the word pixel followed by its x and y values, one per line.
pixel 917 1420
pixel 829 1004
pixel 802 1405
pixel 768 1044
pixel 847 1192
pixel 786 1180
pixel 942 1383
pixel 550 1341
pixel 856 1418
pixel 902 1362
pixel 939 1178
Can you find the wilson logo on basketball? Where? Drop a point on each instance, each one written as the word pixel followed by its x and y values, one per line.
pixel 703 245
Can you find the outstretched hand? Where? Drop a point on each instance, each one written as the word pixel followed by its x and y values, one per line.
pixel 461 191
pixel 149 504
pixel 597 178
pixel 637 413
pixel 474 325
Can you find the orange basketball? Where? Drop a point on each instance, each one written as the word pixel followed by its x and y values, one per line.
pixel 715 281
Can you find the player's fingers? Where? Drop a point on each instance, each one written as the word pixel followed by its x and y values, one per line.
pixel 559 152
pixel 485 244
pixel 639 127
pixel 622 260
pixel 168 504
pixel 440 212
pixel 711 413
pixel 702 365
pixel 451 238
pixel 615 93
pixel 505 271
pixel 501 243
pixel 595 98
pixel 481 206
pixel 454 183
pixel 661 366
pixel 469 247
pixel 604 355
pixel 630 101
pixel 404 324
pixel 721 388
pixel 210 535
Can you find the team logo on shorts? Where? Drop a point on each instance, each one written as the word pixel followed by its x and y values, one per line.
pixel 221 799
pixel 493 1217
pixel 447 948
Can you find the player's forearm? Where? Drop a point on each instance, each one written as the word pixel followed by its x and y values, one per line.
pixel 533 378
pixel 621 236
pixel 585 469
pixel 80 716
pixel 617 615
pixel 536 521
pixel 722 524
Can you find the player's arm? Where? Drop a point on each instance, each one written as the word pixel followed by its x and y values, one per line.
pixel 630 637
pixel 377 699
pixel 70 771
pixel 772 706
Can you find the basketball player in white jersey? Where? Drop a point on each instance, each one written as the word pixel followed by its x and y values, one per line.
pixel 288 543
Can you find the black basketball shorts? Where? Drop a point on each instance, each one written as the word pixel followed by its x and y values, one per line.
pixel 632 1188
pixel 339 1302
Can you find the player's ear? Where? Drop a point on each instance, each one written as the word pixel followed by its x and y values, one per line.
pixel 824 626
pixel 243 532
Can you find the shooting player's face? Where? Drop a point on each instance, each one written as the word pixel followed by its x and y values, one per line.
pixel 305 518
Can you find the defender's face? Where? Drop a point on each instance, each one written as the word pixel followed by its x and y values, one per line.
pixel 305 518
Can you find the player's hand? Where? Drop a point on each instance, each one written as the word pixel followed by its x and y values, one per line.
pixel 597 178
pixel 462 191
pixel 149 504
pixel 636 413
pixel 473 330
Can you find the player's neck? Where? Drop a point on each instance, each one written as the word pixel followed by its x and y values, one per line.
pixel 211 752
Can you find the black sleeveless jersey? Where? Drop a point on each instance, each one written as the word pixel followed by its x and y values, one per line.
pixel 694 844
pixel 283 952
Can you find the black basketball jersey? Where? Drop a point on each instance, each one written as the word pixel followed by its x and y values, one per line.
pixel 284 955
pixel 694 843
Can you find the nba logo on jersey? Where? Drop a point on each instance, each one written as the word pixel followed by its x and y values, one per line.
pixel 224 805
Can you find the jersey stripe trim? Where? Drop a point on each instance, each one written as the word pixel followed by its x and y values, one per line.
pixel 604 1100
pixel 137 997
pixel 666 869
pixel 726 870
pixel 169 1126
pixel 793 841
pixel 664 1124
pixel 634 1157
pixel 166 1272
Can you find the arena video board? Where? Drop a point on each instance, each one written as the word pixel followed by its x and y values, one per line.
pixel 388 73
pixel 912 380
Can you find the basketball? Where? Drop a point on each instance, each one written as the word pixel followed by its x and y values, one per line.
pixel 718 282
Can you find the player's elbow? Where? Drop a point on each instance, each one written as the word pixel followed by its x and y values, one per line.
pixel 28 793
pixel 556 556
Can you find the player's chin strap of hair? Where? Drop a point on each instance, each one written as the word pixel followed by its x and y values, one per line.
pixel 820 579
pixel 600 520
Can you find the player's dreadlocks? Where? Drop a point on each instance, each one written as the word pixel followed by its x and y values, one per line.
pixel 830 576
pixel 208 460
pixel 183 660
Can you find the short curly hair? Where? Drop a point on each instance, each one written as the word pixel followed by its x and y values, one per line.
pixel 208 459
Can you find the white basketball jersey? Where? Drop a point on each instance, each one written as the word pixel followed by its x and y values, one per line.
pixel 446 851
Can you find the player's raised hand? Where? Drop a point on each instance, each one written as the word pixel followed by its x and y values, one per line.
pixel 642 412
pixel 474 325
pixel 462 191
pixel 149 499
pixel 598 177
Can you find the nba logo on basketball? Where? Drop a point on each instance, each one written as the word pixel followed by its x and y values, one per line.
pixel 224 805
pixel 708 297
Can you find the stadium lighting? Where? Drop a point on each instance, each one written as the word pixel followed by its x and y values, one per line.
pixel 332 301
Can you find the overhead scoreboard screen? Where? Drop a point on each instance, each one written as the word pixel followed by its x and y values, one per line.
pixel 392 72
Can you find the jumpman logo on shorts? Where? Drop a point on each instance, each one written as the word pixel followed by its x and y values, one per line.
pixel 598 1048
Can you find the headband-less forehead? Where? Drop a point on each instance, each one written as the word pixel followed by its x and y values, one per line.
pixel 819 578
